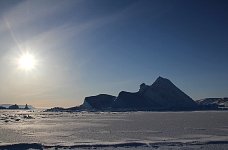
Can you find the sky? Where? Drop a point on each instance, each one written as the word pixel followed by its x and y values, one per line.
pixel 88 47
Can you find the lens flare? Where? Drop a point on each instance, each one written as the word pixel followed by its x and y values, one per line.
pixel 26 62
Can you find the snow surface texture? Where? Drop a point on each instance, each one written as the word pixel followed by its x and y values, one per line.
pixel 22 129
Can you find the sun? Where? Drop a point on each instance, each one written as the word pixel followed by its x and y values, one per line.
pixel 27 61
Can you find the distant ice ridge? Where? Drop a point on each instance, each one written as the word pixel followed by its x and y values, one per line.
pixel 20 106
pixel 216 102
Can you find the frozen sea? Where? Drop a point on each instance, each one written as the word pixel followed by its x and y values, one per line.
pixel 204 130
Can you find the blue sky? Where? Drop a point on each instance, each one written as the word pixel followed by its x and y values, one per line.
pixel 87 47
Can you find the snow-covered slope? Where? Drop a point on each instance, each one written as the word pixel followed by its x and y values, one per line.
pixel 222 102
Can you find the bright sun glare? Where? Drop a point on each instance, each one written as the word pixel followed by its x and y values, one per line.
pixel 26 62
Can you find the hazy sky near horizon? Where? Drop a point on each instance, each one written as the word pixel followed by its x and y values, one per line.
pixel 88 47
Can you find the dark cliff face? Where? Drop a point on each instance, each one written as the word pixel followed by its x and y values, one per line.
pixel 132 101
pixel 165 93
pixel 14 107
pixel 1 107
pixel 127 100
pixel 161 95
pixel 99 102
